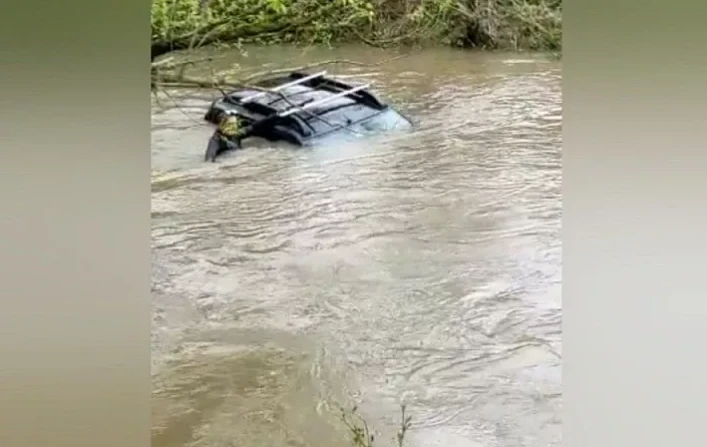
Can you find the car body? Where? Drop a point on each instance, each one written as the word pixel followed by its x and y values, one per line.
pixel 302 108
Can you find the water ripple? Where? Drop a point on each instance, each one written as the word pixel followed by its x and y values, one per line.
pixel 426 265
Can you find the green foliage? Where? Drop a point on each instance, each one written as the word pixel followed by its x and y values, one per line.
pixel 515 24
pixel 510 24
pixel 174 18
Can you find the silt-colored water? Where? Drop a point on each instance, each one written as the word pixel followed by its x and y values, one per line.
pixel 421 268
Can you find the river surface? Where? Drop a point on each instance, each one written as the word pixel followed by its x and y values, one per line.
pixel 420 268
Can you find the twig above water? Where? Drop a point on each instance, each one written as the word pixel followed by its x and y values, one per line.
pixel 225 79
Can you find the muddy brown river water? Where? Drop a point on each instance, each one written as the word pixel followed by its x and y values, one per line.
pixel 419 268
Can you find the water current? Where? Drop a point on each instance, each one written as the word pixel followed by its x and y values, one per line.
pixel 420 268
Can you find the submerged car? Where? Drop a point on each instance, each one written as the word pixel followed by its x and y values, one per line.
pixel 298 108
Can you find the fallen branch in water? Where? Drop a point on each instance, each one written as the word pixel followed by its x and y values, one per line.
pixel 227 79
pixel 169 63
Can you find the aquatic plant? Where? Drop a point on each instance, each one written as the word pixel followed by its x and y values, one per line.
pixel 361 435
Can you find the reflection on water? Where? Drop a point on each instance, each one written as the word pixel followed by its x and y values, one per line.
pixel 422 268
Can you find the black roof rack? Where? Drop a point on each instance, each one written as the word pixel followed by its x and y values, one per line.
pixel 316 81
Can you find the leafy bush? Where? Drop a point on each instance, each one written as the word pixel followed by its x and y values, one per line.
pixel 507 24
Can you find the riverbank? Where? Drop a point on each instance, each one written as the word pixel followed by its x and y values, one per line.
pixel 534 25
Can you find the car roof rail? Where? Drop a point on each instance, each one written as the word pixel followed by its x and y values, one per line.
pixel 283 86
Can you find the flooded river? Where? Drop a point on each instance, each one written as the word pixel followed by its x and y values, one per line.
pixel 418 268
